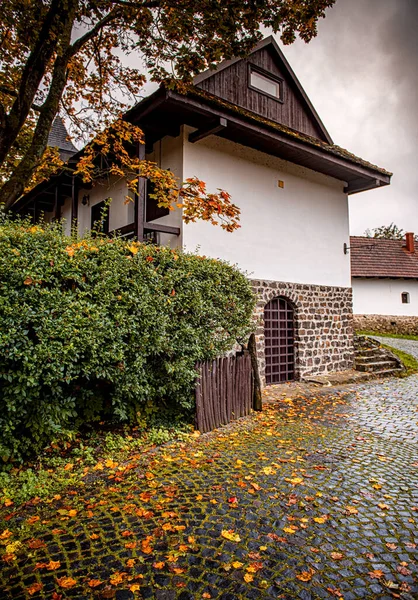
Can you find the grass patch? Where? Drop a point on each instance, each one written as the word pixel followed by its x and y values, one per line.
pixel 389 335
pixel 94 454
pixel 410 363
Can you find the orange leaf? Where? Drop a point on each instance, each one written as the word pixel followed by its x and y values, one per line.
pixel 94 583
pixel 305 575
pixel 35 544
pixel 66 582
pixel 337 555
pixel 159 565
pixel 376 574
pixel 35 587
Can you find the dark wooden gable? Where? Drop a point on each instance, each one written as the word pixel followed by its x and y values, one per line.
pixel 231 82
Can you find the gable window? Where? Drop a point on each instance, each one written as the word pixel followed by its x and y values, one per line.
pixel 266 83
pixel 405 297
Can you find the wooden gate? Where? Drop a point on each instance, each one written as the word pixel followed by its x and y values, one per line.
pixel 279 332
pixel 224 391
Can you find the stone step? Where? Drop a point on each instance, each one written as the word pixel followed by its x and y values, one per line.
pixel 380 365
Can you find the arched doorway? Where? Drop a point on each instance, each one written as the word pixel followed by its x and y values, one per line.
pixel 279 332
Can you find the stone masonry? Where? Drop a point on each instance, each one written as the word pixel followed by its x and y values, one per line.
pixel 323 326
pixel 386 324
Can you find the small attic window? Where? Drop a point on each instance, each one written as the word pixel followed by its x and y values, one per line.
pixel 405 297
pixel 266 83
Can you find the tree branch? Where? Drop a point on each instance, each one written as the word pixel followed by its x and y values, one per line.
pixel 14 94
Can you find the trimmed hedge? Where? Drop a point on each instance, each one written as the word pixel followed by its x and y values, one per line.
pixel 102 328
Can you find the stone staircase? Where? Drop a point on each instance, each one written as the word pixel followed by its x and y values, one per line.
pixel 372 359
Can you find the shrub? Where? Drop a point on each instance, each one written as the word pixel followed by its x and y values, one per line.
pixel 102 328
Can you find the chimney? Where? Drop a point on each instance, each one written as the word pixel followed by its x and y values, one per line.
pixel 410 242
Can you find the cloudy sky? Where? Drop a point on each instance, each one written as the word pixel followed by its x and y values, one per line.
pixel 361 74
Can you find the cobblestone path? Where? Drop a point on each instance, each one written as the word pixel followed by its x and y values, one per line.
pixel 317 497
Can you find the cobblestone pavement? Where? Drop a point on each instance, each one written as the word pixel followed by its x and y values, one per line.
pixel 316 497
pixel 409 346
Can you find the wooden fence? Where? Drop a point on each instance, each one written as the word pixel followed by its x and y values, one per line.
pixel 224 391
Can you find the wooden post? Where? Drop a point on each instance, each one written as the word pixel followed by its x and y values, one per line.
pixel 140 199
pixel 57 203
pixel 252 349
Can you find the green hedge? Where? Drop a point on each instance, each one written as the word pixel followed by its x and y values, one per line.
pixel 102 328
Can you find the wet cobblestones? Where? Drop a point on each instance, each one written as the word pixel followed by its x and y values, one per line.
pixel 315 498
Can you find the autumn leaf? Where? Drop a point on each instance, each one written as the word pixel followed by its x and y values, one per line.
pixel 33 520
pixel 159 565
pixel 35 587
pixel 376 574
pixel 320 519
pixel 305 575
pixel 66 582
pixel 337 555
pixel 237 564
pixel 135 587
pixel 248 577
pixel 94 583
pixel 291 529
pixel 391 546
pixel 230 535
pixel 383 506
pixel 116 578
pixel 35 544
pixel 351 510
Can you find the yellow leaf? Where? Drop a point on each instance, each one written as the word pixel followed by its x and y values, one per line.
pixel 135 587
pixel 237 564
pixel 320 519
pixel 248 578
pixel 290 529
pixel 230 535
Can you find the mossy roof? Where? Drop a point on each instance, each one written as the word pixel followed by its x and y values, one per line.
pixel 333 149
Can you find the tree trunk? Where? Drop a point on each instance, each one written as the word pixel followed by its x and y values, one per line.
pixel 252 349
pixel 14 187
pixel 50 36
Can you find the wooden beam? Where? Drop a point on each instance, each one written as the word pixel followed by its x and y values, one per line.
pixel 162 228
pixel 200 134
pixel 124 231
pixel 140 198
pixel 360 185
pixel 57 203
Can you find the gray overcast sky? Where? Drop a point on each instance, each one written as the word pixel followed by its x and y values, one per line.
pixel 361 74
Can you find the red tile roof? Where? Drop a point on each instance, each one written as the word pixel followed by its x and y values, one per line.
pixel 371 257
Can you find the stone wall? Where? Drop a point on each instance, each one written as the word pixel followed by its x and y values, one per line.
pixel 386 324
pixel 323 327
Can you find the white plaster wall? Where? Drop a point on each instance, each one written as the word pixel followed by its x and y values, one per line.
pixel 66 215
pixel 294 234
pixel 168 154
pixel 120 213
pixel 383 297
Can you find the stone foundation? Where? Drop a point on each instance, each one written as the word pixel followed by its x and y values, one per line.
pixel 323 326
pixel 386 324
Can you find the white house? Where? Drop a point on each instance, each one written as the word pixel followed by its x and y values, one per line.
pixel 249 128
pixel 385 284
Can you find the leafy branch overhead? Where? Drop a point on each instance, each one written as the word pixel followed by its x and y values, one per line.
pixel 69 57
pixel 108 155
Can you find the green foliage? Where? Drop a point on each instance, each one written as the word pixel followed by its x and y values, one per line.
pixel 104 329
pixel 388 232
pixel 409 362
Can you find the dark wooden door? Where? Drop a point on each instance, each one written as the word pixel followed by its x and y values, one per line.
pixel 279 331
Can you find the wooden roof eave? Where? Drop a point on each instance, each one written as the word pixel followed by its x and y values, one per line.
pixel 196 113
